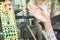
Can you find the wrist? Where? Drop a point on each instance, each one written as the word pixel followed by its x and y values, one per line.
pixel 47 22
pixel 47 25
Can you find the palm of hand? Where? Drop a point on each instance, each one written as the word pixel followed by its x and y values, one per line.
pixel 39 12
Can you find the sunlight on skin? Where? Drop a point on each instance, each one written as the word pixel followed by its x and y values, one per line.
pixel 41 14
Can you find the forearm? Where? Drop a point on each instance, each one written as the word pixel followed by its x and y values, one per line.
pixel 49 31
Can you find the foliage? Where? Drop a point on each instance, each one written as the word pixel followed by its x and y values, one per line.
pixel 58 1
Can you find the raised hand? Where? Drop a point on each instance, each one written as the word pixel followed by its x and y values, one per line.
pixel 39 12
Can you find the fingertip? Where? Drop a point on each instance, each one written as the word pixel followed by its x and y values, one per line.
pixel 29 5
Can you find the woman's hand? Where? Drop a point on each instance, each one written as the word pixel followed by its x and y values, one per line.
pixel 39 12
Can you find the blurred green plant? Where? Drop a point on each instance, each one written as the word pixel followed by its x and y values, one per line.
pixel 58 1
pixel 17 6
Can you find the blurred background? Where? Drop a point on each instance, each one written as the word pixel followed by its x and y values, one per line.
pixel 28 27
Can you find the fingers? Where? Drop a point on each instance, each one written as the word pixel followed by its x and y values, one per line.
pixel 33 7
pixel 35 12
pixel 42 8
pixel 44 11
pixel 32 13
pixel 37 16
pixel 32 10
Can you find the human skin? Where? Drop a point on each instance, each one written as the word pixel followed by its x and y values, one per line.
pixel 41 14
